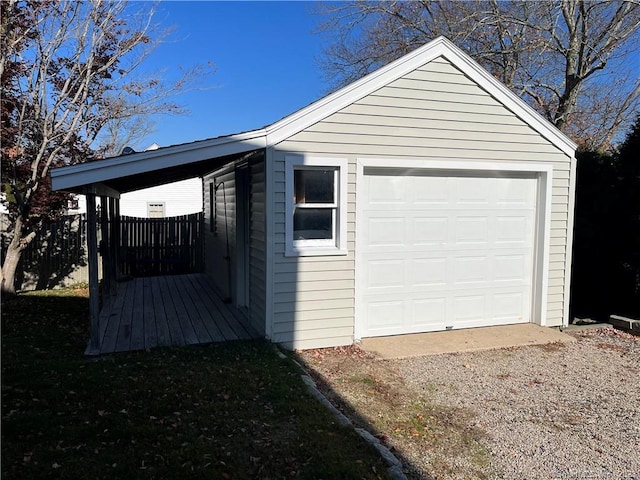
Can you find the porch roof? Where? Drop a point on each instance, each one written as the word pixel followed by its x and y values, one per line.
pixel 139 170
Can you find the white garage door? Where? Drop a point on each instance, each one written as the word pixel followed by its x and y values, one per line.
pixel 440 251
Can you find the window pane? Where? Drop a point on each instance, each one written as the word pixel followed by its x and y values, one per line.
pixel 155 210
pixel 313 186
pixel 312 223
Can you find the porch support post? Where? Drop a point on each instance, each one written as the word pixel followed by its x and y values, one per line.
pixel 117 239
pixel 92 250
pixel 105 241
pixel 113 245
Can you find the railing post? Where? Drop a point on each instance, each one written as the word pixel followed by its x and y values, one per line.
pixel 92 250
pixel 113 247
pixel 105 239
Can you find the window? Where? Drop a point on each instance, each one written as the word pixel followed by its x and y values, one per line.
pixel 316 206
pixel 155 209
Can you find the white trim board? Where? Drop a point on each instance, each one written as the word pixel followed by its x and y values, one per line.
pixel 542 242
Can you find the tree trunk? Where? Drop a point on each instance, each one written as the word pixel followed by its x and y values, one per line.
pixel 567 103
pixel 9 268
pixel 14 253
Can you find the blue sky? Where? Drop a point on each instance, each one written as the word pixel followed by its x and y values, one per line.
pixel 265 58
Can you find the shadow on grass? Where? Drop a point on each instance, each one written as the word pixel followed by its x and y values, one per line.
pixel 232 410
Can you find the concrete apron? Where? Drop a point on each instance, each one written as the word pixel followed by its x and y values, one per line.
pixel 463 340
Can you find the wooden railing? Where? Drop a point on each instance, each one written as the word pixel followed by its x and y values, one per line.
pixel 148 246
pixel 161 246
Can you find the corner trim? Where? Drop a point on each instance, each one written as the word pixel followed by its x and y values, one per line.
pixel 568 262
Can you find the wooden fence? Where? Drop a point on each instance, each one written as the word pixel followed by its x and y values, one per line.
pixel 55 257
pixel 161 246
pixel 148 246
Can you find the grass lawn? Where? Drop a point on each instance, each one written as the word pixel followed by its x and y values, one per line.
pixel 232 410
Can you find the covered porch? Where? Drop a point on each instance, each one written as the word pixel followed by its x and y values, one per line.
pixel 173 310
pixel 170 310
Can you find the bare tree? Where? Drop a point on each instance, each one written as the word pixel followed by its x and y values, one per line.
pixel 67 72
pixel 122 132
pixel 572 60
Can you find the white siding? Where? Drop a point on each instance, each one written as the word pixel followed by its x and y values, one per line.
pixel 434 112
pixel 179 198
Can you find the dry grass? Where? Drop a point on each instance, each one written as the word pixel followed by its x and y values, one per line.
pixel 232 410
pixel 373 394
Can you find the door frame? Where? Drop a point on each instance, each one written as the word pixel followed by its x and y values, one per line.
pixel 542 229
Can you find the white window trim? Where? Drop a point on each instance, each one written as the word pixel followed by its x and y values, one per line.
pixel 337 246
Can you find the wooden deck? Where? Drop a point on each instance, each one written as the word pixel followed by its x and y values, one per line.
pixel 168 310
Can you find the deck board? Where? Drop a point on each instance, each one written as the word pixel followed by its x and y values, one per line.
pixel 169 310
pixel 150 327
pixel 137 317
pixel 206 328
pixel 231 315
pixel 199 328
pixel 207 313
pixel 190 337
pixel 218 308
pixel 123 340
pixel 112 322
pixel 162 326
pixel 177 338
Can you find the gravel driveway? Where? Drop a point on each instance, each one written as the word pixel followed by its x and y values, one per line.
pixel 560 411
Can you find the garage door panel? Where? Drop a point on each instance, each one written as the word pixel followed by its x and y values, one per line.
pixel 431 190
pixel 386 232
pixel 385 316
pixel 510 268
pixel 508 307
pixel 428 314
pixel 429 272
pixel 468 309
pixel 385 273
pixel 470 270
pixel 471 230
pixel 514 230
pixel 448 251
pixel 514 191
pixel 470 191
pixel 432 231
pixel 385 190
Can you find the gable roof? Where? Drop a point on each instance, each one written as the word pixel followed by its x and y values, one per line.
pixel 196 154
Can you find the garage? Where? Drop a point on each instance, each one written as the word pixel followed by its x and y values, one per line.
pixel 445 249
